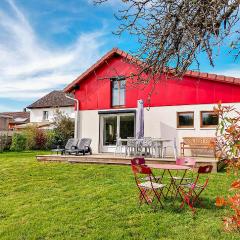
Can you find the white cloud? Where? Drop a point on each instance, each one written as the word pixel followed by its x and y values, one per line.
pixel 29 68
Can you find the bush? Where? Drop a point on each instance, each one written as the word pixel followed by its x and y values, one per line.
pixel 40 140
pixel 51 139
pixel 36 138
pixel 19 142
pixel 64 128
pixel 30 133
pixel 33 138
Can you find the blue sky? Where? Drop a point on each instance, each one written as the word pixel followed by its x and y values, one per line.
pixel 46 44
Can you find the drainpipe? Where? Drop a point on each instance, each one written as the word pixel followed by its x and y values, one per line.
pixel 76 125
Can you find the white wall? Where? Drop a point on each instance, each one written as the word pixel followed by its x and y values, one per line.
pixel 158 122
pixel 36 115
pixel 162 121
pixel 89 127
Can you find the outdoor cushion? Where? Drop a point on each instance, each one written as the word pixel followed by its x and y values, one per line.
pixel 191 185
pixel 150 185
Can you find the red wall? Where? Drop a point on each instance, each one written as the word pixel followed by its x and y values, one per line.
pixel 94 93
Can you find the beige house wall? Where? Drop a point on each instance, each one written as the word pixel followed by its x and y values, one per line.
pixel 159 122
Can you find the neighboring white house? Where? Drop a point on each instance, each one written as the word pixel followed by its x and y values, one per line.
pixel 43 110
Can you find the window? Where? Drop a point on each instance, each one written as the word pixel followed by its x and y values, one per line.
pixel 208 119
pixel 185 119
pixel 45 115
pixel 118 91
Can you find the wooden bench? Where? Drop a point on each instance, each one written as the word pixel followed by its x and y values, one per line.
pixel 198 143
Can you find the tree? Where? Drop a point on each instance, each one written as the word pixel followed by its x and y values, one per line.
pixel 63 128
pixel 173 32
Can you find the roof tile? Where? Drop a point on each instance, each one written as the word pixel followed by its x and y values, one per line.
pixel 53 99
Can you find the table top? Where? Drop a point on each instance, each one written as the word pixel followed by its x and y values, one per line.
pixel 168 166
pixel 153 139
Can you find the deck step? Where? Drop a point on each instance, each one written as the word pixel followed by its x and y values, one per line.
pixel 117 160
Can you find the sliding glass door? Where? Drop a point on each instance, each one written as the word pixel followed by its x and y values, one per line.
pixel 113 126
pixel 109 130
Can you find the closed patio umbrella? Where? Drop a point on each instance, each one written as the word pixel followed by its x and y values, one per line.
pixel 140 120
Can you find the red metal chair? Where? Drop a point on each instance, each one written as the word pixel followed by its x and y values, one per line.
pixel 138 161
pixel 191 191
pixel 149 190
pixel 186 161
pixel 141 161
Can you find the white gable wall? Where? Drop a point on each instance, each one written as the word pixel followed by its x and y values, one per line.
pixel 36 114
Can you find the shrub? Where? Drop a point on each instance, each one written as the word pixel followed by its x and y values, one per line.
pixel 51 139
pixel 40 140
pixel 36 138
pixel 64 128
pixel 19 142
pixel 30 134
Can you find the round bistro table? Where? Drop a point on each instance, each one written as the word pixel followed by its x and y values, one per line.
pixel 169 168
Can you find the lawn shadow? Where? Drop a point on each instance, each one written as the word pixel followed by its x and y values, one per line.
pixel 206 203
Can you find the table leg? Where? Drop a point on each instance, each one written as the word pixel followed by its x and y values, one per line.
pixel 177 187
pixel 171 182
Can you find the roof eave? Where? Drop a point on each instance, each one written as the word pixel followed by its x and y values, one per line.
pixel 70 105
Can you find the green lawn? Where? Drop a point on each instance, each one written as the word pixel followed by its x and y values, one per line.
pixel 64 201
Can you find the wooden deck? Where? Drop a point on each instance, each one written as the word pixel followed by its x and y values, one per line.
pixel 118 160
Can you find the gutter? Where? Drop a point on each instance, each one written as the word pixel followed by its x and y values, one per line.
pixel 76 127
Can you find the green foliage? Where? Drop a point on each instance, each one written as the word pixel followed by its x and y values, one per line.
pixel 19 142
pixel 5 142
pixel 36 138
pixel 50 135
pixel 30 133
pixel 40 140
pixel 64 128
pixel 84 201
pixel 33 138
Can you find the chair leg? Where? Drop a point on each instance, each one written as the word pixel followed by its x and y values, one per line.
pixel 196 198
pixel 186 198
pixel 143 196
pixel 158 196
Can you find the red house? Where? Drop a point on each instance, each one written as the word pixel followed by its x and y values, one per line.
pixel 177 108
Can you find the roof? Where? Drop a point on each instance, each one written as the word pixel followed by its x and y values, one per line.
pixel 53 99
pixel 18 117
pixel 116 51
pixel 3 115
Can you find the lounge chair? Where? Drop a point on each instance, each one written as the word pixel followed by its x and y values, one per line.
pixel 82 147
pixel 70 145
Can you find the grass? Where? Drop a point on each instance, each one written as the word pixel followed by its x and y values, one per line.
pixel 64 201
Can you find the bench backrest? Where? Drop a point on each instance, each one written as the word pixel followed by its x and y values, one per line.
pixel 198 140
